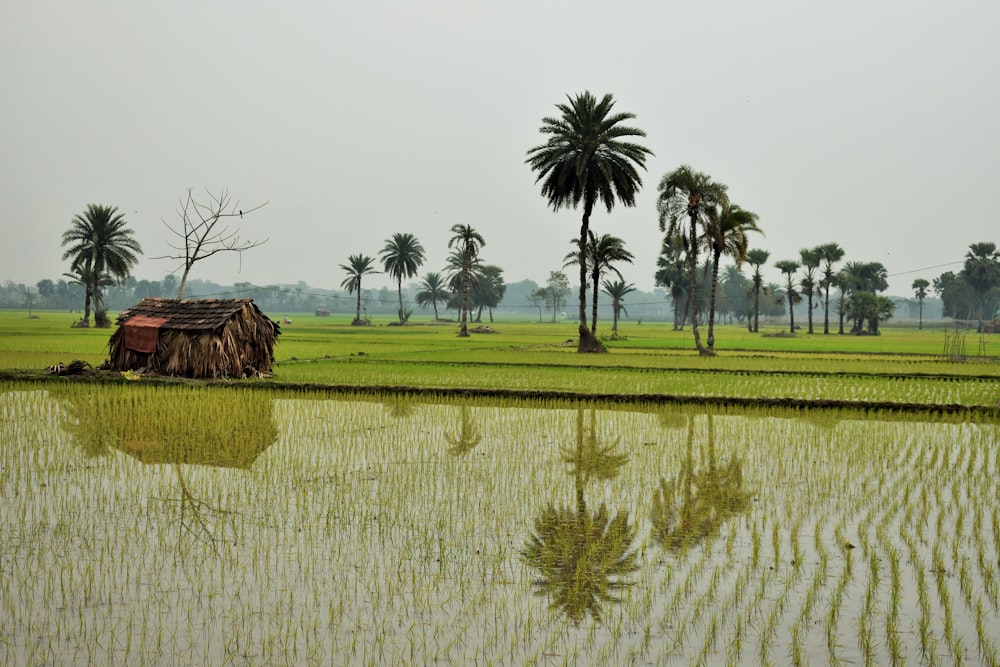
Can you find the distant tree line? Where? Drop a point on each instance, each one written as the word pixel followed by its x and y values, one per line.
pixel 701 226
pixel 974 292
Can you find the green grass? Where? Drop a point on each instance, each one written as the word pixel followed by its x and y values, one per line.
pixel 900 366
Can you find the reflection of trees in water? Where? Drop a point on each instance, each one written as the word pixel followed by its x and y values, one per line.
pixel 693 506
pixel 589 459
pixel 823 419
pixel 466 437
pixel 583 555
pixel 399 406
pixel 672 417
pixel 198 518
pixel 216 428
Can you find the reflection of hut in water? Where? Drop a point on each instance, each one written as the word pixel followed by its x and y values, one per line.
pixel 175 425
pixel 209 338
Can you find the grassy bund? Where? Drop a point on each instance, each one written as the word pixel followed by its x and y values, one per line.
pixel 396 495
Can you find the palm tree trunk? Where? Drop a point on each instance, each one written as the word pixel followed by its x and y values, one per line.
pixel 399 291
pixel 791 315
pixel 826 310
pixel 711 302
pixel 588 341
pixel 810 313
pixel 582 261
pixel 756 304
pixel 693 294
pixel 463 331
pixel 87 289
pixel 593 311
pixel 683 316
pixel 357 314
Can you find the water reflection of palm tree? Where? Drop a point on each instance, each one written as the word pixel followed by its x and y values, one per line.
pixel 466 437
pixel 694 505
pixel 583 556
pixel 399 406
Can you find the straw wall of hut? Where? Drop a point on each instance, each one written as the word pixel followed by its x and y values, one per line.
pixel 211 338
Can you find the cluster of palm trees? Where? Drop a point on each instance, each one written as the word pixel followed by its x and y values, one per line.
pixel 695 212
pixel 601 255
pixel 974 292
pixel 858 285
pixel 102 250
pixel 589 159
pixel 466 280
pixel 401 258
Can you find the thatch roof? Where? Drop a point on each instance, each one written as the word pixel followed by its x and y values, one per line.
pixel 207 338
pixel 194 314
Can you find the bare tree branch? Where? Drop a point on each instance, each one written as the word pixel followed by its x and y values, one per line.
pixel 200 234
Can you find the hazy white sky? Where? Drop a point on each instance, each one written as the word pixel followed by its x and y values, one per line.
pixel 872 124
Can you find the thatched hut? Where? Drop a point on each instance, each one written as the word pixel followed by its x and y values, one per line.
pixel 210 338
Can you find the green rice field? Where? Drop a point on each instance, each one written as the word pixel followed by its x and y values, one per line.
pixel 940 367
pixel 396 495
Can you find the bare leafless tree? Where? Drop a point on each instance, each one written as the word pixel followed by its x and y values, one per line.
pixel 201 235
pixel 29 298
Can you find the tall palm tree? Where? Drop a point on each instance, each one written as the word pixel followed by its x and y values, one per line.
pixel 467 241
pixel 726 231
pixel 602 253
pixel 617 290
pixel 840 281
pixel 982 272
pixel 788 267
pixel 488 291
pixel 920 286
pixel 757 258
pixel 735 291
pixel 859 281
pixel 671 274
pixel 688 196
pixel 357 267
pixel 588 159
pixel 811 259
pixel 831 253
pixel 432 290
pixel 401 257
pixel 100 240
pixel 455 272
pixel 82 276
pixel 865 277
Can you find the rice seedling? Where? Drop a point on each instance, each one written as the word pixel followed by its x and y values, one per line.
pixel 148 524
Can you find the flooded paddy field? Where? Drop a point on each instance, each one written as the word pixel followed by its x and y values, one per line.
pixel 172 524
